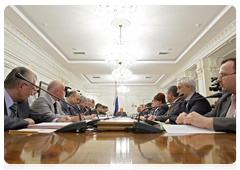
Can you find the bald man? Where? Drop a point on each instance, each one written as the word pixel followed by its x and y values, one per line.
pixel 49 105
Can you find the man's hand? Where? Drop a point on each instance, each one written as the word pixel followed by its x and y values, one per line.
pixel 30 121
pixel 64 119
pixel 181 118
pixel 198 120
pixel 167 121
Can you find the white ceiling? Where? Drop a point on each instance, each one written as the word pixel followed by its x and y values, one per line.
pixel 153 29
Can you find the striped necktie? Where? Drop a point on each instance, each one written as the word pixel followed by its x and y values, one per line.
pixel 13 108
pixel 232 108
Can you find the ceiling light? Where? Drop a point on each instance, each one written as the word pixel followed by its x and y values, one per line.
pixel 121 74
pixel 123 89
pixel 120 58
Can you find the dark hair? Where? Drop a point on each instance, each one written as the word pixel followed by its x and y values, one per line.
pixel 73 92
pixel 149 104
pixel 173 90
pixel 12 81
pixel 230 59
pixel 98 105
pixel 160 97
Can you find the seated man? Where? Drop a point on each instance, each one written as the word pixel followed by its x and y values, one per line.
pixel 103 111
pixel 84 110
pixel 72 98
pixel 49 105
pixel 223 117
pixel 187 86
pixel 121 113
pixel 97 109
pixel 171 94
pixel 17 113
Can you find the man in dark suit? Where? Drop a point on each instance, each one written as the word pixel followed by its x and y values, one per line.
pixel 17 113
pixel 187 86
pixel 72 98
pixel 121 113
pixel 223 117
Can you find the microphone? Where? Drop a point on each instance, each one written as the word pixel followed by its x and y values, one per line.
pixel 20 76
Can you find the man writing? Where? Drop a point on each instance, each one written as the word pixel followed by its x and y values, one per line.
pixel 223 117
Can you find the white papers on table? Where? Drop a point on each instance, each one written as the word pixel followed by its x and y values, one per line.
pixel 186 129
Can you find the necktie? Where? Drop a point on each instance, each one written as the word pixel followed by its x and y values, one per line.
pixel 70 111
pixel 55 107
pixel 13 108
pixel 232 108
pixel 171 107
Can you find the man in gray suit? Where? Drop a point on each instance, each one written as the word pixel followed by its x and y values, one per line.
pixel 72 98
pixel 49 105
pixel 223 117
pixel 17 113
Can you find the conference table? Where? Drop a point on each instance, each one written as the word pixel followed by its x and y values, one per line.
pixel 119 147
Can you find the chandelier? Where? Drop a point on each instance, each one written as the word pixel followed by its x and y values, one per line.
pixel 120 57
pixel 116 9
pixel 123 89
pixel 121 74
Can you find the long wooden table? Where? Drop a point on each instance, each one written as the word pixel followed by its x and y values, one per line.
pixel 119 147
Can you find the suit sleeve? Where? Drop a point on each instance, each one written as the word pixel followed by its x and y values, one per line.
pixel 200 106
pixel 41 106
pixel 14 123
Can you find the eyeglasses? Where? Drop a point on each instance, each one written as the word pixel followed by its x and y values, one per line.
pixel 222 76
pixel 33 90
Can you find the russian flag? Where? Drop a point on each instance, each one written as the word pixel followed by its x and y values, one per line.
pixel 115 101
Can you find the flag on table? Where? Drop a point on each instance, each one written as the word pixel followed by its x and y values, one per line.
pixel 115 101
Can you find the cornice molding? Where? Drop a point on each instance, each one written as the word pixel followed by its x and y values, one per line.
pixel 14 33
pixel 214 45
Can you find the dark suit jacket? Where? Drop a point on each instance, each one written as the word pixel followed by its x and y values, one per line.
pixel 65 109
pixel 165 116
pixel 220 121
pixel 121 114
pixel 200 106
pixel 161 110
pixel 23 112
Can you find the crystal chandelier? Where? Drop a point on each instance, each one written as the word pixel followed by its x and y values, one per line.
pixel 121 74
pixel 123 89
pixel 120 57
pixel 116 9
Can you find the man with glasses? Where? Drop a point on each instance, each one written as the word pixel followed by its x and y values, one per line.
pixel 17 113
pixel 223 117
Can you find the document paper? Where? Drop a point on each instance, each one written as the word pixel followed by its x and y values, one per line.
pixel 186 129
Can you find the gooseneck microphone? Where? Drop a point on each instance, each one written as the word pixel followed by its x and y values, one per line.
pixel 18 75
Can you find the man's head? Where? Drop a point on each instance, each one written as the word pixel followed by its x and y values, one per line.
pixel 57 88
pixel 121 109
pixel 89 102
pixel 82 102
pixel 187 86
pixel 98 107
pixel 138 109
pixel 171 93
pixel 141 107
pixel 104 108
pixel 227 76
pixel 73 97
pixel 159 99
pixel 18 89
pixel 93 103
